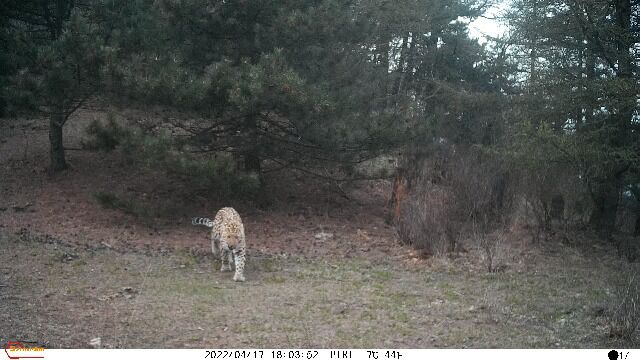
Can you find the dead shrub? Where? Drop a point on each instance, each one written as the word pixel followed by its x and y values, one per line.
pixel 553 199
pixel 424 220
pixel 453 194
pixel 484 200
pixel 624 313
pixel 492 247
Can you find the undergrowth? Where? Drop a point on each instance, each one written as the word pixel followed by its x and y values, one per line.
pixel 216 174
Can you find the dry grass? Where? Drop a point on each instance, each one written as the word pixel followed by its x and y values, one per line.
pixel 624 312
pixel 63 296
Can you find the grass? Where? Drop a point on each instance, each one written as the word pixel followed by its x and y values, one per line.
pixel 183 300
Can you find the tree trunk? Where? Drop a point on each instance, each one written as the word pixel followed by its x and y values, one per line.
pixel 252 162
pixel 590 71
pixel 383 55
pixel 58 162
pixel 533 51
pixel 605 198
pixel 607 192
pixel 625 68
pixel 3 107
pixel 399 73
pixel 398 195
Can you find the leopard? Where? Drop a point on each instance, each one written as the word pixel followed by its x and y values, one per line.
pixel 227 239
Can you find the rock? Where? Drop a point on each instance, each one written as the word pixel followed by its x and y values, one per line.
pixel 362 234
pixel 323 236
pixel 129 290
pixel 68 257
pixel 95 342
pixel 598 310
pixel 340 309
pixel 18 208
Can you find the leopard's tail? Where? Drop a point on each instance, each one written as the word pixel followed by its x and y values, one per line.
pixel 202 221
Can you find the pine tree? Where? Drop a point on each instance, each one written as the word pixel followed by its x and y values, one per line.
pixel 58 61
pixel 582 83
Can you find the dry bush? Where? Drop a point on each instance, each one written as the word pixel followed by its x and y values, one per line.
pixel 425 220
pixel 552 199
pixel 454 194
pixel 423 211
pixel 493 248
pixel 481 184
pixel 628 219
pixel 624 313
pixel 628 224
pixel 537 190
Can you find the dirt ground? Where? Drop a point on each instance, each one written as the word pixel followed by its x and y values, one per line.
pixel 59 295
pixel 323 270
pixel 65 204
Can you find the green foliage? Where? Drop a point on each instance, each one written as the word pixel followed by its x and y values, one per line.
pixel 300 83
pixel 218 175
pixel 105 137
pixel 148 150
pixel 305 83
pixel 577 104
pixel 589 153
pixel 65 71
pixel 215 175
pixel 129 206
pixel 59 54
pixel 107 200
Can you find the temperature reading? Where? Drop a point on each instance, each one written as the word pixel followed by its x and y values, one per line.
pixel 392 354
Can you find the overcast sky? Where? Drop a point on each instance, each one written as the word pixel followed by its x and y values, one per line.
pixel 485 26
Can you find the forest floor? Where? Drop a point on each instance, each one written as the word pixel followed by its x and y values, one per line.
pixel 323 270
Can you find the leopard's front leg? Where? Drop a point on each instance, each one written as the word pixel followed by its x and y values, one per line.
pixel 239 255
pixel 226 260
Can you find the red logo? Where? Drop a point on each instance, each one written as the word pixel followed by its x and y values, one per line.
pixel 15 350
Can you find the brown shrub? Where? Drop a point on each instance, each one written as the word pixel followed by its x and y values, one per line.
pixel 624 313
pixel 450 194
pixel 424 220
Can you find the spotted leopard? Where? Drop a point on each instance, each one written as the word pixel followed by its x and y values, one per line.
pixel 227 238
